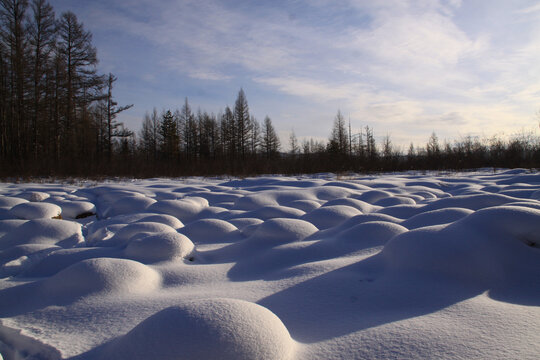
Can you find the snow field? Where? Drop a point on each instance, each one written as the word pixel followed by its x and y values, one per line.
pixel 390 266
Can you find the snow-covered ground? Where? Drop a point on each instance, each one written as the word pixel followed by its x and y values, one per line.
pixel 392 266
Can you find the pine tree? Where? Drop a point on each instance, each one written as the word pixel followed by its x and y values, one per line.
pixel 169 136
pixel 270 141
pixel 242 122
pixel 228 133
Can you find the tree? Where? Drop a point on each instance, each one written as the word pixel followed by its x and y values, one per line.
pixel 79 56
pixel 169 136
pixel 228 133
pixel 339 139
pixel 270 141
pixel 432 147
pixel 371 146
pixel 42 38
pixel 243 124
pixel 187 120
pixel 411 153
pixel 255 135
pixel 149 135
pixel 293 143
pixel 112 111
pixel 387 150
pixel 12 16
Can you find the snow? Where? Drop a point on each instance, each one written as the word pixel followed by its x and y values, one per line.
pixel 227 329
pixel 312 267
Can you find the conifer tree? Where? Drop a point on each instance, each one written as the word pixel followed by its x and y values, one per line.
pixel 270 141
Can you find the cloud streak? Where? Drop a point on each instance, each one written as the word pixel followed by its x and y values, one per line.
pixel 409 66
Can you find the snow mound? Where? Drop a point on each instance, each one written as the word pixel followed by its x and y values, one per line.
pixel 36 210
pixel 211 231
pixel 355 203
pixel 139 230
pixel 18 259
pixel 76 209
pixel 128 205
pixel 59 259
pixel 274 211
pixel 162 219
pixel 184 210
pixel 62 233
pixel 226 329
pixel 329 216
pixel 7 202
pixel 9 225
pixel 395 200
pixel 104 276
pixel 247 226
pixel 34 196
pixel 473 202
pixel 492 246
pixel 380 231
pixel 403 211
pixel 372 196
pixel 274 232
pixel 305 205
pixel 159 247
pixel 436 217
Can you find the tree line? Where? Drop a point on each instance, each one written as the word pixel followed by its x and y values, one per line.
pixel 185 142
pixel 359 152
pixel 57 114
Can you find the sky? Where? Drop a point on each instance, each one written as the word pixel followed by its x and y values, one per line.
pixel 404 68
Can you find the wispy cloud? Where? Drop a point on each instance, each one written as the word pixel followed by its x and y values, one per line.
pixel 409 66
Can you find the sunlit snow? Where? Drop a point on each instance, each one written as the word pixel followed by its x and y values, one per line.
pixel 311 267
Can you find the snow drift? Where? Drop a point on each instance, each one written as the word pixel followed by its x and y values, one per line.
pixel 390 266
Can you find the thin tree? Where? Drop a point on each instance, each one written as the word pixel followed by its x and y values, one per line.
pixel 293 143
pixel 339 139
pixel 12 16
pixel 270 141
pixel 112 111
pixel 42 38
pixel 242 121
pixel 79 56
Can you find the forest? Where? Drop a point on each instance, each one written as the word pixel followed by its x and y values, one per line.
pixel 58 117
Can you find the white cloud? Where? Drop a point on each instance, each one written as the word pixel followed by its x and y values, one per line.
pixel 411 67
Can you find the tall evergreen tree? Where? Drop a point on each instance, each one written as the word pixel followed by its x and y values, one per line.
pixel 243 124
pixel 228 133
pixel 169 136
pixel 270 141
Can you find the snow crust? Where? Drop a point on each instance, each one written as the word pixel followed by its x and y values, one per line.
pixel 312 267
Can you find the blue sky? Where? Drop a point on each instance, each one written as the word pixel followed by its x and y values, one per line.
pixel 404 68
